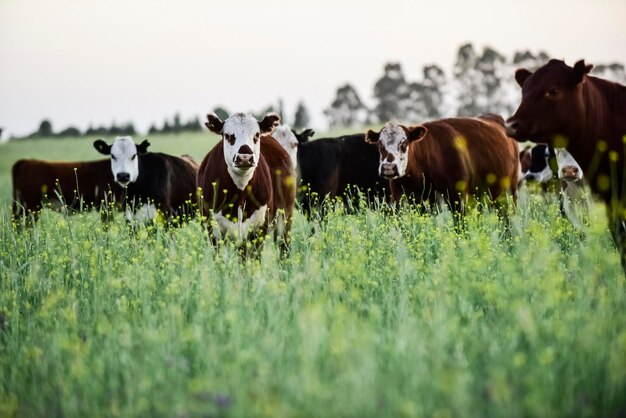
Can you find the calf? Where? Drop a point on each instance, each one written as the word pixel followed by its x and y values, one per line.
pixel 159 181
pixel 449 157
pixel 247 180
pixel 289 140
pixel 331 167
pixel 567 107
pixel 78 185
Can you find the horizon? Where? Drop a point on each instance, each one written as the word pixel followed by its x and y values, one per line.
pixel 81 63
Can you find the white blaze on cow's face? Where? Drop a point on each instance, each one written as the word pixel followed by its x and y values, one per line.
pixel 393 145
pixel 287 139
pixel 124 162
pixel 569 169
pixel 242 142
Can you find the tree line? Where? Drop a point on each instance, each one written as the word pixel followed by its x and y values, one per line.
pixel 479 82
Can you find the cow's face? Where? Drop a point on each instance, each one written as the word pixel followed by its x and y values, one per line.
pixel 241 134
pixel 552 102
pixel 569 169
pixel 124 160
pixel 393 143
pixel 539 169
pixel 287 139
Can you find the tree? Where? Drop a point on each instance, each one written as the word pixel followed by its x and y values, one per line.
pixel 467 80
pixel 301 119
pixel 45 129
pixel 177 127
pixel 389 92
pixel 612 72
pixel 70 131
pixel 153 130
pixel 221 113
pixel 347 109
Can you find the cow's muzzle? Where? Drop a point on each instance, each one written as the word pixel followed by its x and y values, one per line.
pixel 389 170
pixel 123 178
pixel 570 173
pixel 244 161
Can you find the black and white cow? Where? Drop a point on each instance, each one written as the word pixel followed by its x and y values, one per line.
pixel 153 181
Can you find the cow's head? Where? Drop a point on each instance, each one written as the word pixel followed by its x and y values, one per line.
pixel 552 101
pixel 539 168
pixel 124 161
pixel 242 142
pixel 393 143
pixel 288 140
pixel 304 136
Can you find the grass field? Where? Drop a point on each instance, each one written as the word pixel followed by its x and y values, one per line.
pixel 372 314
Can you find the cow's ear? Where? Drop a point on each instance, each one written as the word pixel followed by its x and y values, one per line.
pixel 214 123
pixel 304 136
pixel 102 147
pixel 269 123
pixel 416 133
pixel 522 75
pixel 143 147
pixel 372 137
pixel 580 71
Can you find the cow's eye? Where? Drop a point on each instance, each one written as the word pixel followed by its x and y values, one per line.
pixel 403 147
pixel 230 138
pixel 133 157
pixel 113 157
pixel 552 92
pixel 256 137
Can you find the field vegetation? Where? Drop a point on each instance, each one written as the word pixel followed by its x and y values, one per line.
pixel 373 313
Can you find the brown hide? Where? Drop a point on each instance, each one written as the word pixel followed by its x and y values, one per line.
pixel 457 157
pixel 35 181
pixel 587 115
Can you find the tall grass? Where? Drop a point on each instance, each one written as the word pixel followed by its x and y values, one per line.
pixel 371 314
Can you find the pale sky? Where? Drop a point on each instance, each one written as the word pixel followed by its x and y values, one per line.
pixel 85 61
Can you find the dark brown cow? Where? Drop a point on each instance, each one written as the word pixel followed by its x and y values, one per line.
pixel 450 157
pixel 79 185
pixel 566 107
pixel 247 179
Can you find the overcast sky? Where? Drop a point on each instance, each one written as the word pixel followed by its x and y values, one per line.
pixel 85 61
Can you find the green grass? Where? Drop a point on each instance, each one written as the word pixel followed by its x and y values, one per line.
pixel 372 314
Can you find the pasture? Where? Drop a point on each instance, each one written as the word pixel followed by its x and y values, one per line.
pixel 372 314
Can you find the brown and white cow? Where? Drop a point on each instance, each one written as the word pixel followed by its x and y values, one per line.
pixel 247 180
pixel 567 107
pixel 78 185
pixel 450 157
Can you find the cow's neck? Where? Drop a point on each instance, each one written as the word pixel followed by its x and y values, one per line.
pixel 241 180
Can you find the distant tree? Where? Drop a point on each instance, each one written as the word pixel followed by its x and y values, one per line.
pixel 221 113
pixel 260 115
pixel 389 92
pixel 612 72
pixel 281 111
pixel 45 129
pixel 434 82
pixel 492 69
pixel 70 131
pixel 467 79
pixel 166 127
pixel 177 127
pixel 152 130
pixel 193 125
pixel 301 119
pixel 346 109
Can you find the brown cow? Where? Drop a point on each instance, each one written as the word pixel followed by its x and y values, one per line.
pixel 451 157
pixel 565 106
pixel 247 179
pixel 79 185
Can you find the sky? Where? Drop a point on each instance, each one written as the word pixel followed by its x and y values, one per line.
pixel 81 62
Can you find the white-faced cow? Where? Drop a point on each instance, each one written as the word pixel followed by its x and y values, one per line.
pixel 247 180
pixel 337 167
pixel 79 185
pixel 449 158
pixel 565 106
pixel 152 181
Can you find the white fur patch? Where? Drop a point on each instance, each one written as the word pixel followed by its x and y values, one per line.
pixel 287 139
pixel 124 158
pixel 240 229
pixel 145 213
pixel 394 140
pixel 565 160
pixel 246 131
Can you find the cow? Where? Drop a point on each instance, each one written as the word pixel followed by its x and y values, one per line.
pixel 74 185
pixel 556 170
pixel 566 107
pixel 152 181
pixel 450 158
pixel 335 167
pixel 247 180
pixel 289 140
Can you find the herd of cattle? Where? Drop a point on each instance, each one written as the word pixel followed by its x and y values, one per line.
pixel 249 180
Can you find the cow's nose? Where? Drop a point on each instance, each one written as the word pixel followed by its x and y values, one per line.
pixel 123 177
pixel 244 160
pixel 570 172
pixel 389 170
pixel 530 176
